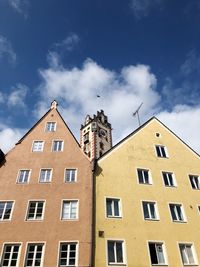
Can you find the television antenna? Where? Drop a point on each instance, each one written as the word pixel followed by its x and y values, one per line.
pixel 137 113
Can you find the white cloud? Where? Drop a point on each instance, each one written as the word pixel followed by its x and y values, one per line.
pixel 69 42
pixel 19 6
pixel 184 121
pixel 76 90
pixel 9 136
pixel 17 97
pixel 142 8
pixel 6 50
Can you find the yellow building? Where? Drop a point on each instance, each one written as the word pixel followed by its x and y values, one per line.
pixel 148 201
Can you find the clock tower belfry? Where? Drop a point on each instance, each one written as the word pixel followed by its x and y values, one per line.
pixel 96 135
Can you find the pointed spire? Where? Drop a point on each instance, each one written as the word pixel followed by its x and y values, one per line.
pixel 54 104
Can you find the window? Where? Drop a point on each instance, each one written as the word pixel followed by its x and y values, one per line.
pixel 161 151
pixel 10 255
pixel 70 175
pixel 156 253
pixel 5 210
pixel 149 210
pixel 70 210
pixel 23 176
pixel 194 180
pixel 34 255
pixel 143 176
pixel 38 146
pixel 68 254
pixel 168 178
pixel 35 210
pixel 45 175
pixel 187 254
pixel 50 126
pixel 177 212
pixel 116 252
pixel 113 207
pixel 57 145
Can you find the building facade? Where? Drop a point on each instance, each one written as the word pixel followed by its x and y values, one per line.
pixel 46 198
pixel 148 201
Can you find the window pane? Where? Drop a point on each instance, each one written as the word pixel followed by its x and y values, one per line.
pixel 111 255
pixel 116 207
pixel 145 210
pixel 160 253
pixel 119 252
pixel 109 207
pixel 153 254
pixel 152 210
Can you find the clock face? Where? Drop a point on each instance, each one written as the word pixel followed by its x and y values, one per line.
pixel 102 133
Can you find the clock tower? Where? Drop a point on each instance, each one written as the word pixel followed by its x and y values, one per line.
pixel 96 135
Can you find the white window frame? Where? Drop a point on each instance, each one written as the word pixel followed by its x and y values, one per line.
pixel 191 244
pixel 52 129
pixel 150 181
pixel 122 241
pixel 57 140
pixel 45 169
pixel 154 203
pixel 11 212
pixel 18 176
pixel 18 254
pixel 77 210
pixel 161 153
pixel 36 150
pixel 36 243
pixel 35 213
pixel 176 212
pixel 196 184
pixel 112 207
pixel 157 242
pixel 168 180
pixel 65 172
pixel 77 252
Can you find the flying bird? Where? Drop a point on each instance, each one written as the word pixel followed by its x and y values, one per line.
pixel 98 95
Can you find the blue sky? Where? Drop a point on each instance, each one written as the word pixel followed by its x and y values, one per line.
pixel 128 52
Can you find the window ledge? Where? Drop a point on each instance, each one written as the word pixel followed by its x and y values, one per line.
pixel 148 219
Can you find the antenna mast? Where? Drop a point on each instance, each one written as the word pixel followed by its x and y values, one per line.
pixel 137 113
